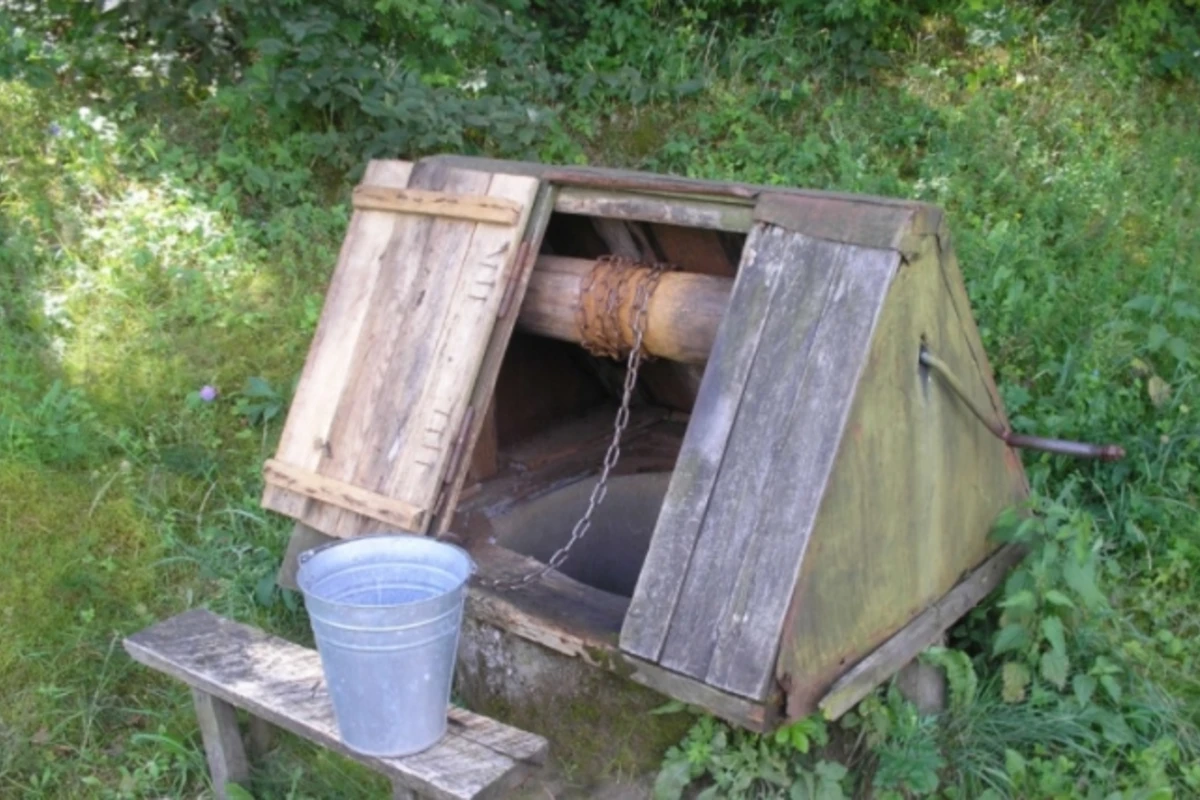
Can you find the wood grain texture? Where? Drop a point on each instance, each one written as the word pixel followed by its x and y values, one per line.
pixel 856 221
pixel 555 611
pixel 717 403
pixel 223 747
pixel 682 211
pixel 682 315
pixel 344 495
pixel 924 630
pixel 404 388
pixel 722 191
pixel 742 573
pixel 694 250
pixel 327 366
pixel 577 620
pixel 755 716
pixel 283 683
pixel 481 390
pixel 915 490
pixel 477 208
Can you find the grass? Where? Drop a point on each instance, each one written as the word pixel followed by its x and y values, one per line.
pixel 153 243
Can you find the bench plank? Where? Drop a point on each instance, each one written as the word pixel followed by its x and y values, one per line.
pixel 282 682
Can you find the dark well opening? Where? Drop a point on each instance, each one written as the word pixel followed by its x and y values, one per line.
pixel 610 556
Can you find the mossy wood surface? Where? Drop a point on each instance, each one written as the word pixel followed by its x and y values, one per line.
pixel 916 487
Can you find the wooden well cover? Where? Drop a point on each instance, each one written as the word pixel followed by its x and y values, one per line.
pixel 384 407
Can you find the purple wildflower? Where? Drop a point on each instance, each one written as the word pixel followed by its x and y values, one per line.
pixel 208 393
pixel 55 129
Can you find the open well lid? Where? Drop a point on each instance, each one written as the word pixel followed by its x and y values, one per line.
pixel 385 406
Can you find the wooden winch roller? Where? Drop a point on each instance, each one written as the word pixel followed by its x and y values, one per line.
pixel 683 309
pixel 809 465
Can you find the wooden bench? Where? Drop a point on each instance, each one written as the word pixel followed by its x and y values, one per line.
pixel 230 665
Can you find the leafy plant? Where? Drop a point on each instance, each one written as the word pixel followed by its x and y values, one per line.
pixel 738 764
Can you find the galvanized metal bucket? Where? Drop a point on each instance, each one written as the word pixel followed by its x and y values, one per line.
pixel 386 611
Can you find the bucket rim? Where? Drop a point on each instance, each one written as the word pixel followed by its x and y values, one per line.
pixel 306 556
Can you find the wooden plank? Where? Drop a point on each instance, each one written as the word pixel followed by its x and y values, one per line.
pixel 477 208
pixel 754 716
pixel 465 333
pixel 849 221
pixel 752 621
pixel 485 460
pixel 694 250
pixel 682 211
pixel 580 621
pixel 327 366
pixel 283 683
pixel 608 179
pixel 779 375
pixel 916 487
pixel 555 610
pixel 917 635
pixel 344 495
pixel 721 391
pixel 377 423
pixel 223 747
pixel 303 538
pixel 406 403
pixel 533 228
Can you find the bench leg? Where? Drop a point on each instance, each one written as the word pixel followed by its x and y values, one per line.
pixel 222 742
pixel 260 739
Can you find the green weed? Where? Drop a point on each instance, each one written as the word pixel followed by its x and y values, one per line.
pixel 172 198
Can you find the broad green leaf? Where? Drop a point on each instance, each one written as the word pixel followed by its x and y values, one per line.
pixel 1052 629
pixel 1112 687
pixel 670 707
pixel 1011 637
pixel 1055 666
pixel 1157 337
pixel 1056 598
pixel 1081 577
pixel 672 779
pixel 1014 764
pixel 1179 348
pixel 1021 601
pixel 1185 310
pixel 1084 686
pixel 1143 302
pixel 235 792
pixel 1016 678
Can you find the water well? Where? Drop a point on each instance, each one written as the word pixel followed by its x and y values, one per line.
pixel 814 454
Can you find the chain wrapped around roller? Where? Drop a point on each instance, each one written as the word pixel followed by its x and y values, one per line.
pixel 603 337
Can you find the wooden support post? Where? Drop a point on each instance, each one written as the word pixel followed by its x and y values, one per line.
pixel 222 742
pixel 260 739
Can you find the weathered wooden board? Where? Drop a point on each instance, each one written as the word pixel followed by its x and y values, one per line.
pixel 703 450
pixel 394 414
pixel 924 630
pixel 499 210
pixel 327 367
pixel 916 487
pixel 491 357
pixel 694 250
pixel 747 557
pixel 223 746
pixel 283 683
pixel 694 213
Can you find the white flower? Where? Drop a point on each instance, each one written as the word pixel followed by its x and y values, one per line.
pixel 476 83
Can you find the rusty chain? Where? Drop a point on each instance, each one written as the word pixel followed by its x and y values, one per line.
pixel 613 454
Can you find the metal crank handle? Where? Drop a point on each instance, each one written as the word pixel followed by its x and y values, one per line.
pixel 1104 452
